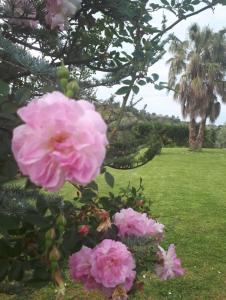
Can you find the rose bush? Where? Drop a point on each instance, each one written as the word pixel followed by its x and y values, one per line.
pixel 65 140
pixel 110 264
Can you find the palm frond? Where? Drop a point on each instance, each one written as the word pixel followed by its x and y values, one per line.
pixel 215 111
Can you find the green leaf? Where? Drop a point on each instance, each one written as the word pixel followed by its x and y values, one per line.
pixel 127 82
pixel 109 179
pixel 191 8
pixel 149 79
pixel 141 82
pixel 4 88
pixel 155 76
pixel 88 195
pixel 159 87
pixel 93 185
pixel 135 89
pixel 123 90
pixel 134 191
pixel 165 2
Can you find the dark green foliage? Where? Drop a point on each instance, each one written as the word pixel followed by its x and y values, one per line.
pixel 211 134
pixel 8 121
pixel 175 134
pixel 129 196
pixel 25 217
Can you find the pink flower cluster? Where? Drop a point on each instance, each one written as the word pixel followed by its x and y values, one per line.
pixel 61 140
pixel 168 266
pixel 131 222
pixel 23 11
pixel 105 267
pixel 58 11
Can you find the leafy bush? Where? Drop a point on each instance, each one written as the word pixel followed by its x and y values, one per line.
pixel 221 137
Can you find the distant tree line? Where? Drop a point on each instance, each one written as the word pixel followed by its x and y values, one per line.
pixel 138 126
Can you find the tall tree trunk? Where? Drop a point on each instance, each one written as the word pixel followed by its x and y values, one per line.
pixel 201 133
pixel 192 134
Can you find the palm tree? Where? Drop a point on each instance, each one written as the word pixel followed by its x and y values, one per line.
pixel 197 76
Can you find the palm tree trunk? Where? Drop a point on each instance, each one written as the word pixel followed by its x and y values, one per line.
pixel 201 134
pixel 192 134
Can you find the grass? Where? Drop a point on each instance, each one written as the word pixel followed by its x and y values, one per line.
pixel 188 191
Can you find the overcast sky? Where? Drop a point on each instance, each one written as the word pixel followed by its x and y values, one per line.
pixel 158 101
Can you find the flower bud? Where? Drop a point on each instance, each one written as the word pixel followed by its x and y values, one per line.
pixel 61 221
pixel 70 94
pixel 48 244
pixel 73 85
pixel 54 265
pixel 62 72
pixel 54 254
pixel 63 83
pixel 140 203
pixel 104 215
pixel 50 234
pixel 84 230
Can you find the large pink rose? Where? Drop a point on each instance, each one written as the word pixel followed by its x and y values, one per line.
pixel 131 222
pixel 58 12
pixel 80 266
pixel 168 266
pixel 113 265
pixel 61 140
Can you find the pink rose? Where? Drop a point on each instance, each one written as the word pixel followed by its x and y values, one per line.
pixel 131 222
pixel 61 140
pixel 155 229
pixel 80 266
pixel 168 266
pixel 58 12
pixel 113 265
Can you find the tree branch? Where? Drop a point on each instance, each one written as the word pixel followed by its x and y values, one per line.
pixel 181 19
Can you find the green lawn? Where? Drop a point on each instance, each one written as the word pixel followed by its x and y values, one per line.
pixel 188 191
